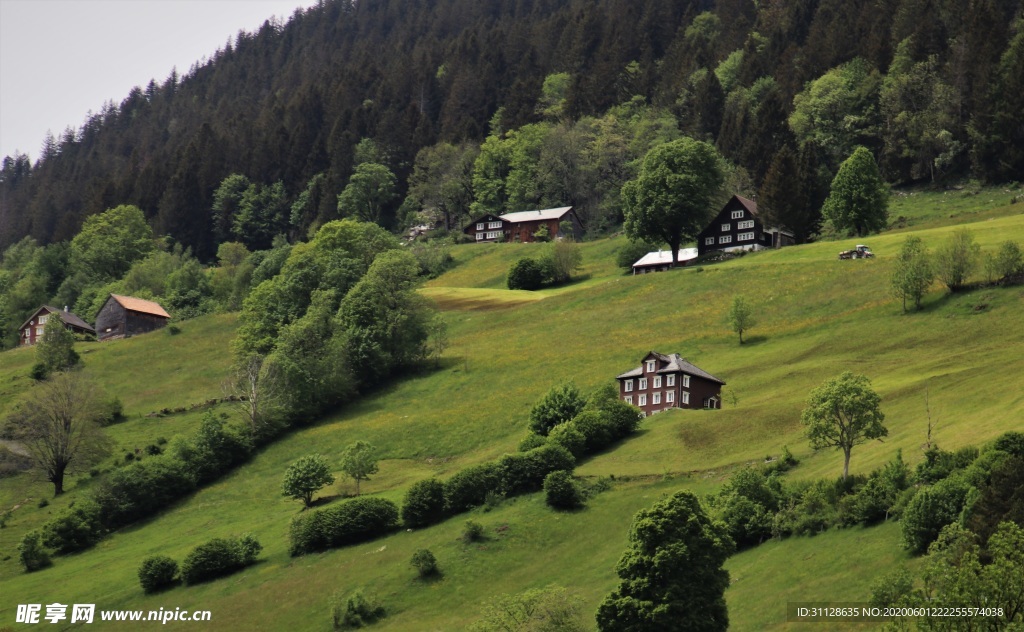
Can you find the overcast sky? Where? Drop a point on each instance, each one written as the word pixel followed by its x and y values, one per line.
pixel 59 59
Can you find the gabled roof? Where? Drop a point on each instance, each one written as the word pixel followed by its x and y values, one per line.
pixel 140 305
pixel 664 257
pixel 674 363
pixel 482 218
pixel 533 216
pixel 750 205
pixel 67 317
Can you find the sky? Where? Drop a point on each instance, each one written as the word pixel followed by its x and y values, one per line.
pixel 61 59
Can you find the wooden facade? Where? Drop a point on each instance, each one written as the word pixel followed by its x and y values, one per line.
pixel 31 331
pixel 522 226
pixel 738 226
pixel 664 381
pixel 127 316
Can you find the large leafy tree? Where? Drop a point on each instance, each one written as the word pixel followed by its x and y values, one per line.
pixel 109 243
pixel 369 190
pixel 843 412
pixel 672 575
pixel 305 476
pixel 359 461
pixel 671 199
pixel 859 199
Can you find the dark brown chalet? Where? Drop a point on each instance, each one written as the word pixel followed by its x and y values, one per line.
pixel 31 331
pixel 521 226
pixel 127 316
pixel 669 381
pixel 739 227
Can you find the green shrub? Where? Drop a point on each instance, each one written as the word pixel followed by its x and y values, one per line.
pixel 525 274
pixel 468 488
pixel 355 611
pixel 560 404
pixel 567 436
pixel 142 489
pixel 31 552
pixel 472 532
pixel 347 523
pixel 596 429
pixel 75 529
pixel 219 557
pixel 749 522
pixel 425 563
pixel 524 472
pixel 930 510
pixel 39 372
pixel 157 573
pixel 531 441
pixel 938 464
pixel 111 411
pixel 1011 443
pixel 623 418
pixel 423 504
pixel 561 491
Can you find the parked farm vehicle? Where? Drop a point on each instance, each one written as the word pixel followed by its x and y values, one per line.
pixel 860 252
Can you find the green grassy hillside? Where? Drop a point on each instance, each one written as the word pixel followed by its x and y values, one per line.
pixel 817 317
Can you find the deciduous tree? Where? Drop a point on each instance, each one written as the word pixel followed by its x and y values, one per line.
pixel 843 412
pixel 672 197
pixel 359 461
pixel 56 351
pixel 859 199
pixel 741 316
pixel 956 259
pixel 913 273
pixel 58 427
pixel 305 476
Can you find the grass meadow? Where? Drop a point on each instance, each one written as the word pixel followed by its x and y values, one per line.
pixel 817 317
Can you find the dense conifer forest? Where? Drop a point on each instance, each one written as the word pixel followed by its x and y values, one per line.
pixel 786 90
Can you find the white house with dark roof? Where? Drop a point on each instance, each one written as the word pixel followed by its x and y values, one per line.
pixel 522 225
pixel 665 381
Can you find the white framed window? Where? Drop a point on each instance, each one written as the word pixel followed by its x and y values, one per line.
pixel 657 397
pixel 726 227
pixel 642 400
pixel 725 239
pixel 709 241
pixel 737 214
pixel 686 397
pixel 686 381
pixel 657 381
pixel 670 397
pixel 629 399
pixel 494 234
pixel 629 386
pixel 650 366
pixel 745 237
pixel 39 331
pixel 43 319
pixel 480 226
pixel 643 384
pixel 670 379
pixel 747 224
pixel 479 236
pixel 493 224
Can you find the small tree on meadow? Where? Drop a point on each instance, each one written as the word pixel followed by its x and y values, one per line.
pixel 56 349
pixel 1006 263
pixel 957 258
pixel 843 412
pixel 359 461
pixel 741 316
pixel 305 476
pixel 913 273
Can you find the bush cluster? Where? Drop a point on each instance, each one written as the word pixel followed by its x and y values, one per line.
pixel 219 557
pixel 561 491
pixel 347 523
pixel 75 529
pixel 423 504
pixel 156 573
pixel 425 563
pixel 31 552
pixel 355 611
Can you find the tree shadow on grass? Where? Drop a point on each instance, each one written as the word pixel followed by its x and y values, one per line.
pixel 753 341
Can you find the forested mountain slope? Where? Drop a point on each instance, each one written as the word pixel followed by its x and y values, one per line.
pixel 934 89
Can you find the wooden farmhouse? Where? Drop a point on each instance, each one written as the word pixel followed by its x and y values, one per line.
pixel 127 316
pixel 739 227
pixel 669 381
pixel 31 331
pixel 661 260
pixel 522 226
